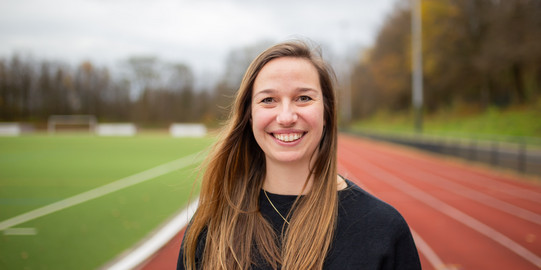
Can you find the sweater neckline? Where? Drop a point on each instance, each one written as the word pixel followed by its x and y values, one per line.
pixel 282 199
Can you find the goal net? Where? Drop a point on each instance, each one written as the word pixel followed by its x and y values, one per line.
pixel 71 123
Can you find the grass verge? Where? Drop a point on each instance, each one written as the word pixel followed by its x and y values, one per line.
pixel 494 124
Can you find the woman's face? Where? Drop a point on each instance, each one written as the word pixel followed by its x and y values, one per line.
pixel 287 110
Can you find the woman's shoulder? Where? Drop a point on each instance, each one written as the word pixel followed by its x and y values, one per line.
pixel 369 226
pixel 357 206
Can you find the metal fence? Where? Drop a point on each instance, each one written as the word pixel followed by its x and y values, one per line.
pixel 522 154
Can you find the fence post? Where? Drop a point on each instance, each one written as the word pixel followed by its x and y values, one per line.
pixel 522 156
pixel 473 149
pixel 494 153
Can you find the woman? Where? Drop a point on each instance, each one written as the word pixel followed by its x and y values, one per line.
pixel 271 197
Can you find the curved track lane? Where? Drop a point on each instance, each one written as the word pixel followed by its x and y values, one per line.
pixel 470 218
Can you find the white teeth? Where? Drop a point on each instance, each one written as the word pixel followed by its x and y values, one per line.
pixel 288 137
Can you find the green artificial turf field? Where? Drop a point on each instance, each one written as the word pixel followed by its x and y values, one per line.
pixel 39 170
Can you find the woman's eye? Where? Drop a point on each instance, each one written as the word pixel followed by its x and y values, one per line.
pixel 267 100
pixel 304 98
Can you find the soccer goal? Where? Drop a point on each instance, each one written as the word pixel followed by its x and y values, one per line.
pixel 71 123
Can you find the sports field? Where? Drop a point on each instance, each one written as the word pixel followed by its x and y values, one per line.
pixel 89 198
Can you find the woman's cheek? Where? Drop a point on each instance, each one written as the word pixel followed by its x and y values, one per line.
pixel 261 118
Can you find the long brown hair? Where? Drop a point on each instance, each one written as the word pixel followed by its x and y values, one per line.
pixel 235 170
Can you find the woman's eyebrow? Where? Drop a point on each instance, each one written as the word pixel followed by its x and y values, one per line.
pixel 273 91
pixel 265 91
pixel 303 90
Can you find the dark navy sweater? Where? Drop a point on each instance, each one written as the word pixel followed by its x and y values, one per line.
pixel 370 234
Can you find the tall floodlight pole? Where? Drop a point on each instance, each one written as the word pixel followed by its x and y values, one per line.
pixel 346 79
pixel 417 64
pixel 347 97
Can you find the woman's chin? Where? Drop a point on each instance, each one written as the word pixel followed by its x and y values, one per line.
pixel 288 158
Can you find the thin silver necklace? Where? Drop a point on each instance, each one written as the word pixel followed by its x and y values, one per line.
pixel 275 207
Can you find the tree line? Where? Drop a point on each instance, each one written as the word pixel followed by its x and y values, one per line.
pixel 480 52
pixel 146 90
pixel 33 90
pixel 475 52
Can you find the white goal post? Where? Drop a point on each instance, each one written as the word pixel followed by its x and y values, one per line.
pixel 73 121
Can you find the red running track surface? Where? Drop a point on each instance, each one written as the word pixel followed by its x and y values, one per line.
pixel 462 216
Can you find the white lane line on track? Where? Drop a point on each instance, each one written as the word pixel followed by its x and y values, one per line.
pixel 158 240
pixel 103 190
pixel 428 252
pixel 423 247
pixel 500 186
pixel 482 198
pixel 461 190
pixel 450 211
pixel 483 181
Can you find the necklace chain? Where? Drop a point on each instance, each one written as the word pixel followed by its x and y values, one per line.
pixel 275 207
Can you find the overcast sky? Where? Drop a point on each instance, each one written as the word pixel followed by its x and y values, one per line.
pixel 199 33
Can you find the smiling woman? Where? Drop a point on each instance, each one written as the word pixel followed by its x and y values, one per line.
pixel 271 197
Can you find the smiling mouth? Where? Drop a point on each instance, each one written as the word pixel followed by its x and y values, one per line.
pixel 289 137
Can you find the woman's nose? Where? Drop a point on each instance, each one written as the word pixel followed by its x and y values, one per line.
pixel 287 115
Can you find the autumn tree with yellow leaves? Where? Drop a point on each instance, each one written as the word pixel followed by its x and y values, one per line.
pixel 480 52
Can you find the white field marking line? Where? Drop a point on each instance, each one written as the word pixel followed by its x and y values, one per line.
pixel 143 252
pixel 103 190
pixel 420 243
pixel 20 231
pixel 469 193
pixel 452 212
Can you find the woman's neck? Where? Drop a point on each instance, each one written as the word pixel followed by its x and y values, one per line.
pixel 287 179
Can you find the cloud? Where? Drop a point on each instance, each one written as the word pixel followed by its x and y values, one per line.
pixel 200 33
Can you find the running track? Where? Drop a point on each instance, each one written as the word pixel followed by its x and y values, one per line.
pixel 462 217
